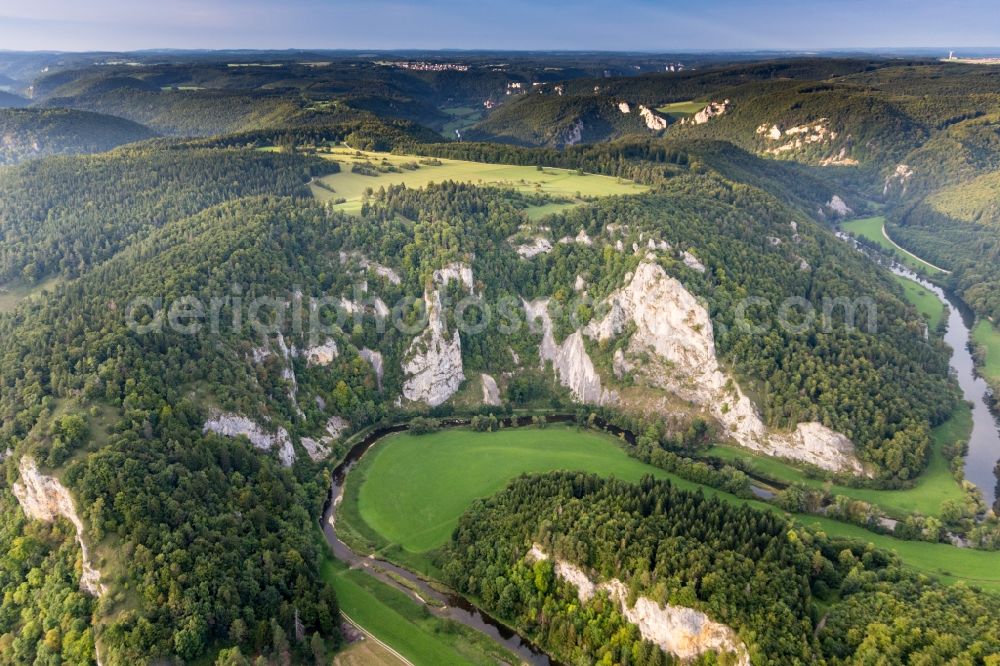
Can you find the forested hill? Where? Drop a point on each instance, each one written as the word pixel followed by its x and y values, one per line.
pixel 29 133
pixel 10 100
pixel 743 568
pixel 197 459
pixel 60 216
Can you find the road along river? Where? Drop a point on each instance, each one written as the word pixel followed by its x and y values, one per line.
pixel 984 442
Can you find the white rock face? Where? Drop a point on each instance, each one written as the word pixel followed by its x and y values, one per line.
pixel 573 134
pixel 570 360
pixel 45 498
pixel 900 178
pixel 840 159
pixel 434 367
pixel 670 322
pixel 537 246
pixel 691 261
pixel 375 359
pixel 288 373
pixel 624 107
pixel 454 271
pixel 580 284
pixel 235 425
pixel 838 207
pixel 491 393
pixel 799 136
pixel 679 630
pixel 379 269
pixel 653 121
pixel 713 110
pixel 581 239
pixel 319 449
pixel 321 355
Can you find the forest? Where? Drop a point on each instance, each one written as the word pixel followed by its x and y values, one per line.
pixel 791 595
pixel 200 188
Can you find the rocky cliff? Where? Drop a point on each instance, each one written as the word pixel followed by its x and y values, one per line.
pixel 235 425
pixel 45 498
pixel 683 632
pixel 570 361
pixel 434 360
pixel 670 322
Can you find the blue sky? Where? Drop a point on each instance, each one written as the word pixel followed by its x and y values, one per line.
pixel 664 25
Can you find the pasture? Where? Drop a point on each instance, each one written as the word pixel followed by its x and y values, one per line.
pixel 407 494
pixel 414 488
pixel 926 302
pixel 932 487
pixel 677 110
pixel 390 169
pixel 873 229
pixel 987 339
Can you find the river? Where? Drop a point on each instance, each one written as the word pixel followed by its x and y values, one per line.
pixel 984 442
pixel 984 450
pixel 442 604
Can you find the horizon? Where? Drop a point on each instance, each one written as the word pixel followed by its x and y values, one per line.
pixel 629 26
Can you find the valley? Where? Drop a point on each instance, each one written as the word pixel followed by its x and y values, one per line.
pixel 569 356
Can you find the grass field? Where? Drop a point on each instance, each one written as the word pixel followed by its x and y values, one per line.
pixel 986 336
pixel 557 182
pixel 926 302
pixel 365 653
pixel 397 500
pixel 682 109
pixel 411 491
pixel 404 624
pixel 934 486
pixel 871 228
pixel 13 293
pixel 462 118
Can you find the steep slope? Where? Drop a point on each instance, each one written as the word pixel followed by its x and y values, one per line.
pixel 12 101
pixel 29 133
pixel 552 119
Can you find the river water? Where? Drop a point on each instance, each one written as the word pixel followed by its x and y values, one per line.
pixel 442 604
pixel 984 450
pixel 984 442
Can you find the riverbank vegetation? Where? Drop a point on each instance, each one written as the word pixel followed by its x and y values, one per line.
pixel 681 548
pixel 429 495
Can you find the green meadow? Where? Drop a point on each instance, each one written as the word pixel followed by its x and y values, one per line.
pixel 414 488
pixel 932 487
pixel 395 169
pixel 873 229
pixel 926 302
pixel 987 337
pixel 404 624
pixel 406 495
pixel 681 109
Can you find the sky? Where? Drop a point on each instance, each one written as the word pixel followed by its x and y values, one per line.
pixel 648 25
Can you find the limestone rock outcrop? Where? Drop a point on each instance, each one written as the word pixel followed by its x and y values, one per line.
pixel 45 498
pixel 235 425
pixel 683 632
pixel 653 121
pixel 434 360
pixel 320 449
pixel 491 393
pixel 570 360
pixel 670 322
pixel 534 247
pixel 374 359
